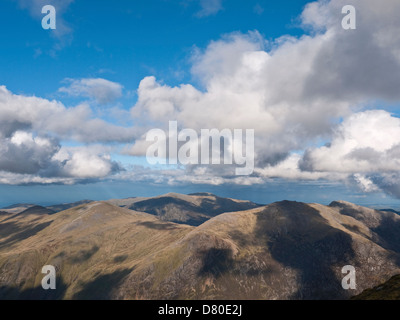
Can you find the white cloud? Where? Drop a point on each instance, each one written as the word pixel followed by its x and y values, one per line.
pixel 9 178
pixel 245 89
pixel 356 64
pixel 31 130
pixel 209 7
pixel 85 163
pixel 387 182
pixel 23 153
pixel 101 90
pixel 294 93
pixel 366 184
pixel 18 112
pixel 45 160
pixel 183 176
pixel 63 29
pixel 365 142
pixel 366 148
pixel 290 169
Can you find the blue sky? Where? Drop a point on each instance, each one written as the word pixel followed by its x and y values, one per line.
pixel 125 41
pixel 102 78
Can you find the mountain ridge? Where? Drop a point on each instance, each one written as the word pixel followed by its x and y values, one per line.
pixel 284 250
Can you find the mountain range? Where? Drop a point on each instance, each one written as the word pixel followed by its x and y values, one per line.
pixel 196 246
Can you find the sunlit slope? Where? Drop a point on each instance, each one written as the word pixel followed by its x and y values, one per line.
pixel 83 243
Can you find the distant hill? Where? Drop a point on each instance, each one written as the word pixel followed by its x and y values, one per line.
pixel 17 208
pixel 390 210
pixel 18 205
pixel 193 209
pixel 66 206
pixel 21 207
pixel 285 250
pixel 37 210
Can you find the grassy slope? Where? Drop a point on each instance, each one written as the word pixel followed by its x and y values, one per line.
pixel 83 243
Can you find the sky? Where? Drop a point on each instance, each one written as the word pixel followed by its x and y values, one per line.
pixel 77 102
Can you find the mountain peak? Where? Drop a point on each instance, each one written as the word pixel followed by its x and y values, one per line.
pixel 342 203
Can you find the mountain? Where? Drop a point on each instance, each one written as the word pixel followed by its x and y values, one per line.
pixel 92 246
pixel 285 250
pixel 192 209
pixel 17 208
pixel 384 225
pixel 25 208
pixel 32 212
pixel 37 210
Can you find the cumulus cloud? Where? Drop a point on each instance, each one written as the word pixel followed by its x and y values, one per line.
pixel 294 92
pixel 290 168
pixel 18 112
pixel 31 131
pixel 365 142
pixel 23 153
pixel 101 90
pixel 387 182
pixel 365 183
pixel 86 163
pixel 365 147
pixel 28 159
pixel 355 64
pixel 306 98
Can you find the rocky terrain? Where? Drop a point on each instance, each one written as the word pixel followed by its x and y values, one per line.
pixel 215 248
pixel 390 290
